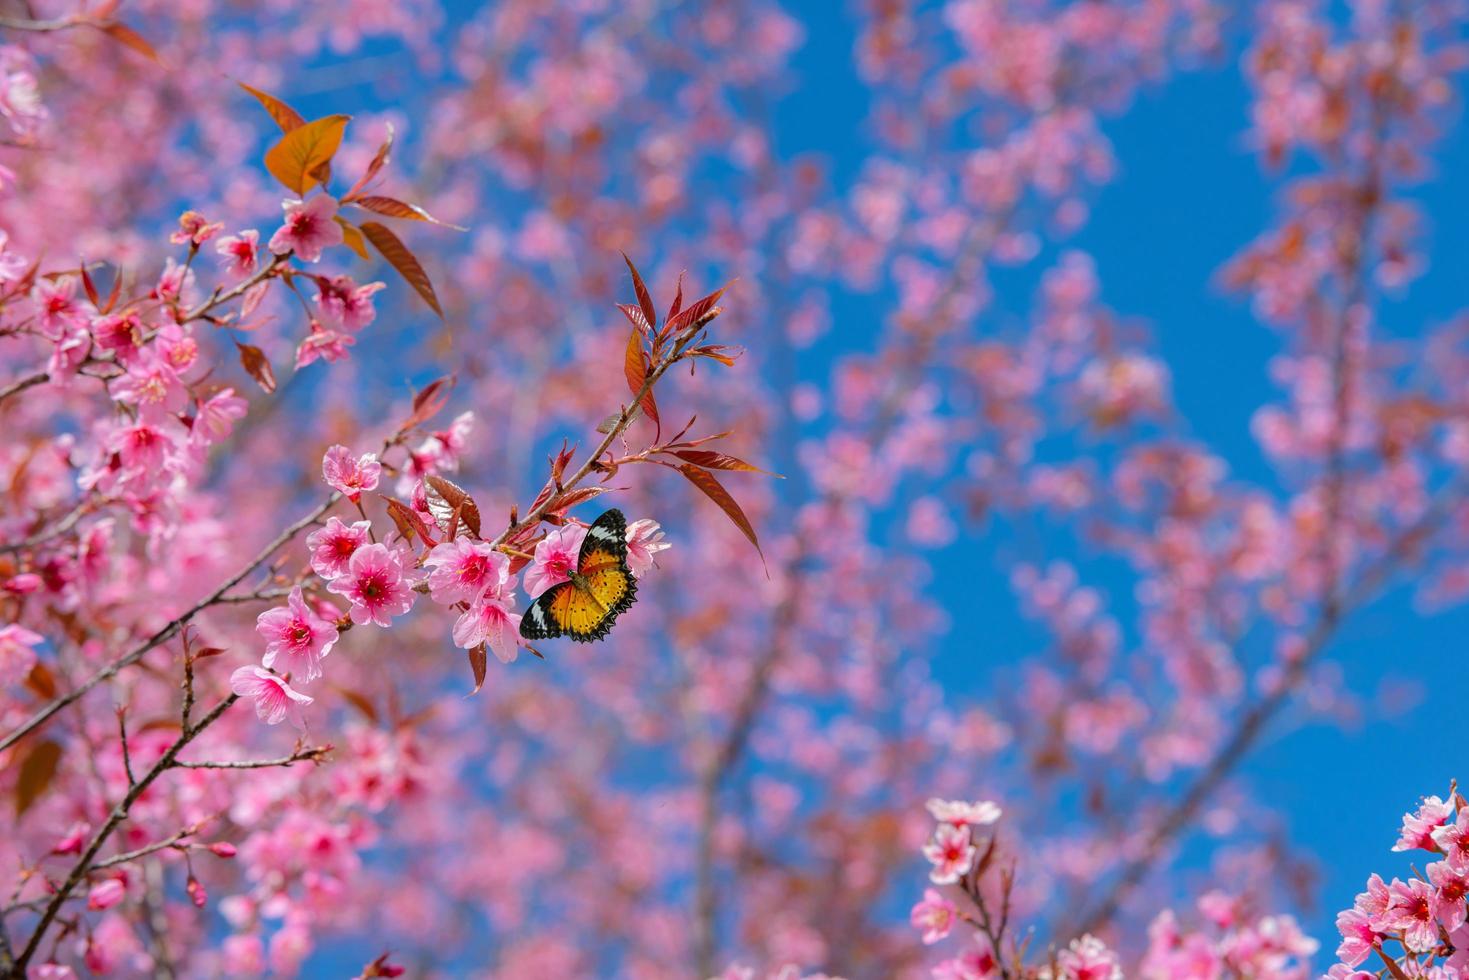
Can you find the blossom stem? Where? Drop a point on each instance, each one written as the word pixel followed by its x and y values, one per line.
pixel 114 820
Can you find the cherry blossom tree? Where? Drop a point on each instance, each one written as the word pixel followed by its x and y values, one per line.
pixel 327 330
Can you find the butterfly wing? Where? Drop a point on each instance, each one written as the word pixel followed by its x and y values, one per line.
pixel 547 615
pixel 607 533
pixel 587 614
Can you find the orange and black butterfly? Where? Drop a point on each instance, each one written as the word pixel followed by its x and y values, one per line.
pixel 602 587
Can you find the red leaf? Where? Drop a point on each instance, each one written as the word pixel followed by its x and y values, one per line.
pixel 449 497
pixel 571 498
pixel 697 311
pixel 715 491
pixel 400 258
pixel 361 702
pixel 479 663
pixel 645 302
pixel 285 117
pixel 257 365
pixel 635 317
pixel 429 401
pixel 90 287
pixel 41 682
pixel 126 36
pixel 37 770
pixel 407 520
pixel 715 352
pixel 718 461
pixel 677 299
pixel 379 160
pixel 635 369
pixel 394 208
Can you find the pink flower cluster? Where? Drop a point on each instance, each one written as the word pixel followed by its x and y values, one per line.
pixel 1416 927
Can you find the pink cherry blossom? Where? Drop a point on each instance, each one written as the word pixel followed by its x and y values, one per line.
pixel 935 915
pixel 1453 839
pixel 275 700
pixel 106 893
pixel 343 303
pixel 1358 936
pixel 555 558
pixel 17 653
pixel 323 344
pixel 962 814
pixel 195 229
pixel 310 227
pixel 644 541
pixel 464 570
pixel 1418 827
pixel 1413 909
pixel 951 852
pixel 239 254
pixel 1451 887
pixel 489 620
pixel 296 636
pixel 333 545
pixel 1088 958
pixel 377 584
pixel 350 475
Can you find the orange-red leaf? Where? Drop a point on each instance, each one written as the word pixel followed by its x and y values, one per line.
pixel 635 369
pixel 407 520
pixel 400 258
pixel 715 491
pixel 697 311
pixel 298 158
pixel 429 401
pixel 379 160
pixel 257 365
pixel 717 461
pixel 126 36
pixel 37 770
pixel 394 208
pixel 285 117
pixel 478 663
pixel 645 301
pixel 361 702
pixel 41 682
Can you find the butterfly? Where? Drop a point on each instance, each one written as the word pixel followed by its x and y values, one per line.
pixel 585 606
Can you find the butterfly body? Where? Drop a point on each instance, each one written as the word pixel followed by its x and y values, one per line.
pixel 596 592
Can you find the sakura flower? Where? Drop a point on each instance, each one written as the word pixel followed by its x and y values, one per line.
pixel 151 386
pixel 239 254
pixel 12 265
pixel 1357 936
pixel 377 584
pixel 175 283
pixel 345 304
pixel 464 570
pixel 489 620
pixel 644 541
pixel 1453 839
pixel 962 814
pixel 951 852
pixel 309 227
pixel 1451 886
pixel 977 964
pixel 1088 958
pixel 56 306
pixel 350 475
pixel 1375 900
pixel 215 418
pixel 332 546
pixel 555 559
pixel 1413 909
pixel 20 95
pixel 105 894
pixel 194 229
pixel 1417 833
pixel 68 354
pixel 275 700
pixel 17 653
pixel 935 915
pixel 120 333
pixel 296 633
pixel 322 344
